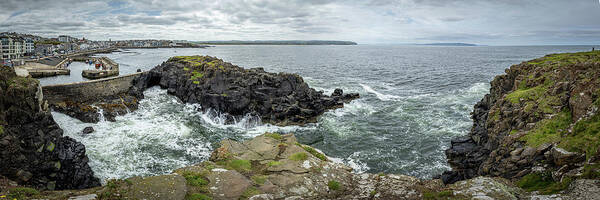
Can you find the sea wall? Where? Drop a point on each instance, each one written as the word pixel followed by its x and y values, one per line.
pixel 110 68
pixel 89 90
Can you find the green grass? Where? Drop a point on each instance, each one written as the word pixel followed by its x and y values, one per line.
pixel 198 196
pixel 548 130
pixel 334 185
pixel 543 183
pixel 195 179
pixel 186 69
pixel 531 94
pixel 313 151
pixel 196 82
pixel 240 165
pixel 21 193
pixel 585 137
pixel 554 61
pixel 276 136
pixel 298 156
pixel 273 163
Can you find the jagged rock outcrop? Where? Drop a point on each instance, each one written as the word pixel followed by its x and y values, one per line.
pixel 541 117
pixel 33 150
pixel 282 98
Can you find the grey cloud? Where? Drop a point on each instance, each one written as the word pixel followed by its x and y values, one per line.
pixel 392 21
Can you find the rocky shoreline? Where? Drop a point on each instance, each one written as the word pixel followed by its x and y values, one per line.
pixel 33 150
pixel 281 99
pixel 535 136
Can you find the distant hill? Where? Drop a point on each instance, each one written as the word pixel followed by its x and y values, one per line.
pixel 451 44
pixel 277 42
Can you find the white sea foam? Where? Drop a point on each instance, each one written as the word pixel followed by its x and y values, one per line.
pixel 380 96
pixel 148 141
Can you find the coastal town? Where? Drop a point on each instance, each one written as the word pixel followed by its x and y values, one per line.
pixel 16 49
pixel 42 57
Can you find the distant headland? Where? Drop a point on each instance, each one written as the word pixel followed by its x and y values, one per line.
pixel 277 42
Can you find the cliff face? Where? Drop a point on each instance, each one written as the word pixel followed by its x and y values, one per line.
pixel 282 98
pixel 32 149
pixel 540 117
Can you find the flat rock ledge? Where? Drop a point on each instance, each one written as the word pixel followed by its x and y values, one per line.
pixel 277 98
pixel 274 166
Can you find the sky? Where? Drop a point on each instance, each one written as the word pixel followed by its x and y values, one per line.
pixel 489 22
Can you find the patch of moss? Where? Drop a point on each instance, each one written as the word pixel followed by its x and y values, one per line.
pixel 373 193
pixel 496 115
pixel 1 129
pixel 259 179
pixel 298 156
pixel 585 137
pixel 21 193
pixel 543 183
pixel 313 151
pixel 273 163
pixel 50 147
pixel 334 185
pixel 591 171
pixel 513 132
pixel 196 75
pixel 198 196
pixel 196 82
pixel 548 130
pixel 276 136
pixel 186 69
pixel 240 165
pixel 195 179
pixel 531 94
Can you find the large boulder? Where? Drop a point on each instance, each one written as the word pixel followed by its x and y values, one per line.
pixel 280 98
pixel 33 149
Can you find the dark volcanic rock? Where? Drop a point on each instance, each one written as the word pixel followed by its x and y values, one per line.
pixel 106 108
pixel 281 98
pixel 33 150
pixel 530 111
pixel 87 130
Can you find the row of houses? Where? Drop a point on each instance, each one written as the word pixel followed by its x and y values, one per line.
pixel 14 47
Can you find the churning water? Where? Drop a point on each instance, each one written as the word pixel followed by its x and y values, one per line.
pixel 414 99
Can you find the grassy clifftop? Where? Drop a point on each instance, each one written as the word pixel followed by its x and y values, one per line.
pixel 562 90
pixel 544 117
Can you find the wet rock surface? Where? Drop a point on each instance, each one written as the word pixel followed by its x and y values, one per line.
pixel 33 150
pixel 277 98
pixel 106 108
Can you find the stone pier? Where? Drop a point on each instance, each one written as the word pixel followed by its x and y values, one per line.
pixel 110 68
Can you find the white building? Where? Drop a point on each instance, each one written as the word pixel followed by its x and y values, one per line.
pixel 15 47
pixel 66 38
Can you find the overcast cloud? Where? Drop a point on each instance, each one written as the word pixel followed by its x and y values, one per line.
pixel 498 22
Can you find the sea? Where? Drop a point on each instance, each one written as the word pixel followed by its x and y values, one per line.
pixel 413 101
